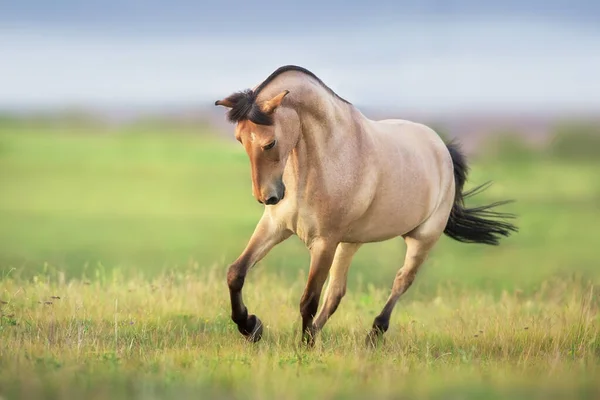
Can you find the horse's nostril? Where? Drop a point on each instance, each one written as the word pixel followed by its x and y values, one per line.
pixel 272 200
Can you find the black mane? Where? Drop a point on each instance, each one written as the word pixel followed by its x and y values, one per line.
pixel 244 107
pixel 244 102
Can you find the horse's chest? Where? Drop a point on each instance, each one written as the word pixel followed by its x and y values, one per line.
pixel 304 223
pixel 306 227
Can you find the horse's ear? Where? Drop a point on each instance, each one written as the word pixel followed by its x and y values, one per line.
pixel 271 105
pixel 225 103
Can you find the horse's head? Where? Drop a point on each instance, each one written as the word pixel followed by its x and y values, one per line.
pixel 268 133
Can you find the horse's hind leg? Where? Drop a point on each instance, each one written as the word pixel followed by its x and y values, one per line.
pixel 418 244
pixel 416 252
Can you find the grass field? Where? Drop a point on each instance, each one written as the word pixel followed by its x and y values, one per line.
pixel 113 252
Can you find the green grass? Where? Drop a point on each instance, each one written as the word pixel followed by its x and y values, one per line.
pixel 133 231
pixel 171 337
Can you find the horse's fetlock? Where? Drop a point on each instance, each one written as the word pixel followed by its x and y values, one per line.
pixel 381 323
pixel 240 318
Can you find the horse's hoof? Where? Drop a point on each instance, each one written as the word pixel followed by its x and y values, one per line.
pixel 374 339
pixel 256 329
pixel 308 341
pixel 309 337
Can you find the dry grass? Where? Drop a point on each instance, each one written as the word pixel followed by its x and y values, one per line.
pixel 171 337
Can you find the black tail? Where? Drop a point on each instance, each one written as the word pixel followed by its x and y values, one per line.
pixel 477 224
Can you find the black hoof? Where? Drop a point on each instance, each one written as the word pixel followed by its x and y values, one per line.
pixel 374 338
pixel 257 330
pixel 253 330
pixel 308 340
pixel 308 337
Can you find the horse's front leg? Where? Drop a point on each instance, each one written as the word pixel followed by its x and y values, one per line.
pixel 266 235
pixel 336 288
pixel 322 253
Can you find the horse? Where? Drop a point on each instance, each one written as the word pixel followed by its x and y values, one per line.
pixel 337 180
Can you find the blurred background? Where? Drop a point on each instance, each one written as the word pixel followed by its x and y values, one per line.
pixel 114 160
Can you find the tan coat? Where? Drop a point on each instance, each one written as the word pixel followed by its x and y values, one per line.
pixel 337 179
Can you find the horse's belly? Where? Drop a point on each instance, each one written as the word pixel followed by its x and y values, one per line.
pixel 386 221
pixel 372 234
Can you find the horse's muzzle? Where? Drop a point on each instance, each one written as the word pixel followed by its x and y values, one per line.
pixel 276 197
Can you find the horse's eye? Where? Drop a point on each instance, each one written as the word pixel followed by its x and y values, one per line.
pixel 270 145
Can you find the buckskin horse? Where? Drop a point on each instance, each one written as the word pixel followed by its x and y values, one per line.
pixel 337 180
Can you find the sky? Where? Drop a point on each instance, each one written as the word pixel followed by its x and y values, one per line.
pixel 425 55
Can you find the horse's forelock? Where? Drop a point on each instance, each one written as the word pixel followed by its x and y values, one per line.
pixel 244 107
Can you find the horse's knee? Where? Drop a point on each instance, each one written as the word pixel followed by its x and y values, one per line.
pixel 235 277
pixel 336 298
pixel 309 304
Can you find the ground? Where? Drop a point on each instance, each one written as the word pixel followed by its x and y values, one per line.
pixel 114 248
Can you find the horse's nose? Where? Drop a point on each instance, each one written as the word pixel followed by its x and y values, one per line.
pixel 275 196
pixel 272 200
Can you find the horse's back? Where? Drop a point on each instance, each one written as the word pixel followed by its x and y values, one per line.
pixel 410 138
pixel 416 150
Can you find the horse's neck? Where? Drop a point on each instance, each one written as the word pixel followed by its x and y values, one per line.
pixel 329 128
pixel 325 144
